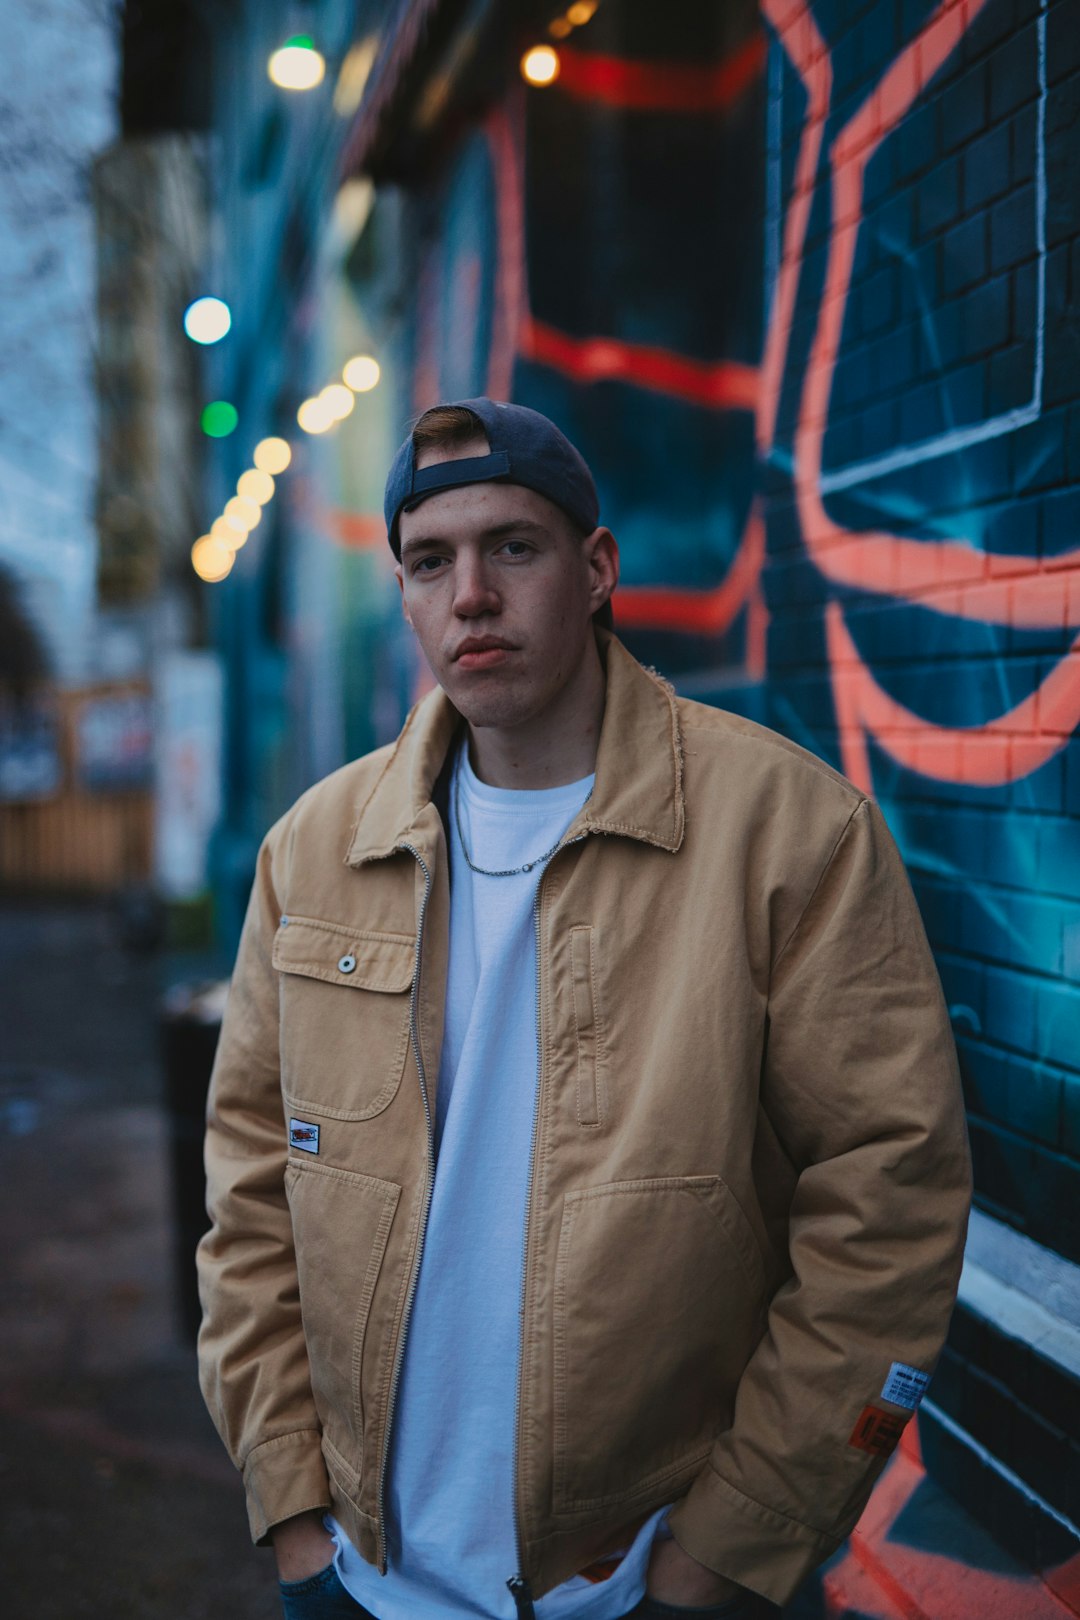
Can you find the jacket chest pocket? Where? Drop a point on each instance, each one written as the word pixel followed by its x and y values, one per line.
pixel 344 1016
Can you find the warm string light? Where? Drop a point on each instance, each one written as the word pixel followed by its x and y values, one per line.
pixel 333 403
pixel 575 16
pixel 213 554
pixel 540 65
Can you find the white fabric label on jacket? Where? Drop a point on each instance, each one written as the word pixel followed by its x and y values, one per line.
pixel 905 1386
pixel 303 1135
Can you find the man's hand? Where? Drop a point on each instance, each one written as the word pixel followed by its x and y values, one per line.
pixel 675 1577
pixel 302 1546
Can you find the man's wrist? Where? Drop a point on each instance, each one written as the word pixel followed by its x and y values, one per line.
pixel 302 1545
pixel 676 1577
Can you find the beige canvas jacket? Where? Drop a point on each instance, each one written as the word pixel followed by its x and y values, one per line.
pixel 750 1175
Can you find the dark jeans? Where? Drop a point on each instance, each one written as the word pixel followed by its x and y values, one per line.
pixel 322 1597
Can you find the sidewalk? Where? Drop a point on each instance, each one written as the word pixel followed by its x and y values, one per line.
pixel 121 1504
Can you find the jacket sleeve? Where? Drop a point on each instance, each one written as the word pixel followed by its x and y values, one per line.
pixel 861 1084
pixel 253 1366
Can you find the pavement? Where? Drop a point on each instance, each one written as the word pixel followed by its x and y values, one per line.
pixel 119 1501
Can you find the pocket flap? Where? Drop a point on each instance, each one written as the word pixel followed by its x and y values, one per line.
pixel 355 958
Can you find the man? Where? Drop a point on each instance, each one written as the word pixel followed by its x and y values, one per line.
pixel 585 1152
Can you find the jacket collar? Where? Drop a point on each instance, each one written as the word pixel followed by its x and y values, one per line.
pixel 638 791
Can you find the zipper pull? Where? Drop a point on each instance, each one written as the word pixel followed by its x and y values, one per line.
pixel 522 1595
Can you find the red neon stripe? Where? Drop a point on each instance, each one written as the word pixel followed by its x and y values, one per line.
pixel 596 359
pixel 679 87
pixel 703 613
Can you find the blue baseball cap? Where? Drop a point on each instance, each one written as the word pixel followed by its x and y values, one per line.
pixel 525 448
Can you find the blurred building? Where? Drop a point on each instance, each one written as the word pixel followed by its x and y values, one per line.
pixel 800 281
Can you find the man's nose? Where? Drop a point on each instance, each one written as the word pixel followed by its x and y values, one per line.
pixel 474 591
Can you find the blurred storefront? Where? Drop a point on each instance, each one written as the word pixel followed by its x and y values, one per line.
pixel 800 282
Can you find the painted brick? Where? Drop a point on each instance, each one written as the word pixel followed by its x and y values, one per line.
pixel 1014 73
pixel 964 258
pixel 1010 1009
pixel 986 168
pixel 1027 1183
pixel 1058 846
pixel 916 142
pixel 1062 40
pixel 1072 778
pixel 986 316
pixel 1057 1025
pixel 1021 929
pixel 965 389
pixel 1012 230
pixel 985 465
pixel 1009 380
pixel 879 427
pixel 1043 789
pixel 1023 146
pixel 921 413
pixel 1038 452
pixel 878 301
pixel 1071 1118
pixel 937 197
pixel 1014 1092
pixel 1060 521
pixel 963 108
pixel 895 360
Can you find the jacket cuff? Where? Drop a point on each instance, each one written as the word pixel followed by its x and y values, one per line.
pixel 745 1541
pixel 283 1477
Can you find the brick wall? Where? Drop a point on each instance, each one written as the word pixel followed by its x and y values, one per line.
pixel 924 586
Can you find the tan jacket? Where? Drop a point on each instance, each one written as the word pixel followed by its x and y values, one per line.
pixel 750 1174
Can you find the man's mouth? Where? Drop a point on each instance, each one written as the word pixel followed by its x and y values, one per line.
pixel 482 652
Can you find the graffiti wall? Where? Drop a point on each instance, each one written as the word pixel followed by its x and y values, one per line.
pixel 801 281
pixel 915 413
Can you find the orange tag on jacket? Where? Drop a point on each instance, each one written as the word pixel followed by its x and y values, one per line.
pixel 877 1431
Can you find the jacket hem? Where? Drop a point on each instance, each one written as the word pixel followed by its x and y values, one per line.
pixel 282 1477
pixel 747 1542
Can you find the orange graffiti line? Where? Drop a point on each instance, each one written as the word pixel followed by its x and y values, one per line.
pixel 360 530
pixel 877 560
pixel 677 87
pixel 798 34
pixel 1064 1581
pixel 707 613
pixel 1011 745
pixel 599 359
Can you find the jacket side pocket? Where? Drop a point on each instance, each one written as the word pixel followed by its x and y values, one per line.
pixel 587 1025
pixel 341 1225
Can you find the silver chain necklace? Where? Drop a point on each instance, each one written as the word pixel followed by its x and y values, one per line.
pixel 510 871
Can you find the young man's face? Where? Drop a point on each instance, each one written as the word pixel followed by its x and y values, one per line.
pixel 500 590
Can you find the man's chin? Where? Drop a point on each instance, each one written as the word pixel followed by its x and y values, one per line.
pixel 484 704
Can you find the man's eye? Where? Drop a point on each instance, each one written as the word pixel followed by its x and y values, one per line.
pixel 426 565
pixel 517 548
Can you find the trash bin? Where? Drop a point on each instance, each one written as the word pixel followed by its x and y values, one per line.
pixel 190 1025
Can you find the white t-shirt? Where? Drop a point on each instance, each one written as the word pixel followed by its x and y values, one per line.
pixel 450 1480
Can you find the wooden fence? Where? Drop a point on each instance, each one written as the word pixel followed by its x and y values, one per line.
pixel 89 830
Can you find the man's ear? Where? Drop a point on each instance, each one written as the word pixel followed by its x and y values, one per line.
pixel 399 575
pixel 602 555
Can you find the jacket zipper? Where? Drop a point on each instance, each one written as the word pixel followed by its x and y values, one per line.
pixel 519 1584
pixel 414 1035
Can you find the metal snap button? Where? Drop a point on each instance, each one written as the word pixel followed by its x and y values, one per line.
pixel 346 964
